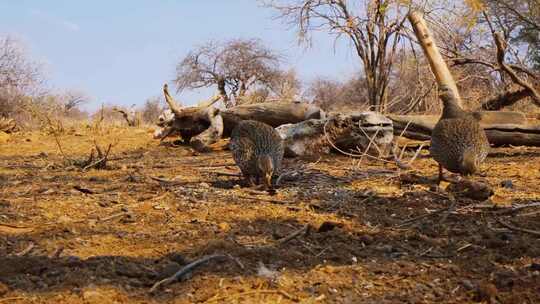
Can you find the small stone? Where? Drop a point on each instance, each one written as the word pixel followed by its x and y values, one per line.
pixel 204 185
pixel 508 184
pixel 328 226
pixel 467 284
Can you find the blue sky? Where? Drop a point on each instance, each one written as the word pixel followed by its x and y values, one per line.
pixel 121 52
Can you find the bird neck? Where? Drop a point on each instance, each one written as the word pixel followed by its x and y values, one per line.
pixel 451 109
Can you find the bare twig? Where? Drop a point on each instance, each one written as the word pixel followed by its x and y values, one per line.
pixel 300 232
pixel 219 173
pixel 165 181
pixel 83 190
pixel 56 254
pixel 274 201
pixel 26 250
pixel 347 153
pixel 511 227
pixel 114 216
pixel 423 216
pixel 11 299
pixel 180 274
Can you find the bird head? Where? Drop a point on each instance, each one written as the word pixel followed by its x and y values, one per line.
pixel 468 164
pixel 266 169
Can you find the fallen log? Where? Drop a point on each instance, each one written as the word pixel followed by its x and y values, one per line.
pixel 360 132
pixel 203 125
pixel 502 128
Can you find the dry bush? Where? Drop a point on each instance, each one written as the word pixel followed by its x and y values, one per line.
pixel 20 77
pixel 152 108
pixel 332 95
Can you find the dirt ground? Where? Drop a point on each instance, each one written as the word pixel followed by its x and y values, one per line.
pixel 159 207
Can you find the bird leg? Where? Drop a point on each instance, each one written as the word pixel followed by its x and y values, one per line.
pixel 441 176
pixel 250 182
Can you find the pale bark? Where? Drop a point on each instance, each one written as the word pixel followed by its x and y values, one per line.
pixel 438 66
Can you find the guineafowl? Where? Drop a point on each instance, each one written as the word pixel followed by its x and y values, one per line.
pixel 257 149
pixel 458 142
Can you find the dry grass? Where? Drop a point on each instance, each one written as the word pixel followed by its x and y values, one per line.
pixel 114 244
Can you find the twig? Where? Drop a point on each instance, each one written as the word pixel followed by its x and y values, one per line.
pixel 114 216
pixel 97 162
pixel 533 232
pixel 517 208
pixel 83 190
pixel 219 173
pixel 187 269
pixel 416 154
pixel 414 219
pixel 347 153
pixel 165 181
pixel 56 254
pixel 27 250
pixel 275 201
pixel 11 299
pixel 302 231
pixel 15 226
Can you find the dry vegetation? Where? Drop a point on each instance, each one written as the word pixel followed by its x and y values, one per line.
pixel 93 210
pixel 102 236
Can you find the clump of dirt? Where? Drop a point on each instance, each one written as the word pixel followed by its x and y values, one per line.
pixel 335 230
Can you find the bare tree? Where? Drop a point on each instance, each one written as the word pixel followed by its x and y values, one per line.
pixel 332 95
pixel 497 49
pixel 372 26
pixel 19 75
pixel 153 107
pixel 234 67
pixel 73 99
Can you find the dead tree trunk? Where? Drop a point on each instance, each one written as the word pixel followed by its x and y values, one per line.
pixel 352 133
pixel 438 66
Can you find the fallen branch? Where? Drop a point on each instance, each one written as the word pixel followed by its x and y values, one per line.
pixel 219 173
pixel 533 232
pixel 27 250
pixel 180 274
pixel 300 232
pixel 83 190
pixel 165 181
pixel 114 216
pixel 423 216
pixel 274 201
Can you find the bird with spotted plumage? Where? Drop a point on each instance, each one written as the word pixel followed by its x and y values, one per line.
pixel 257 149
pixel 458 143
